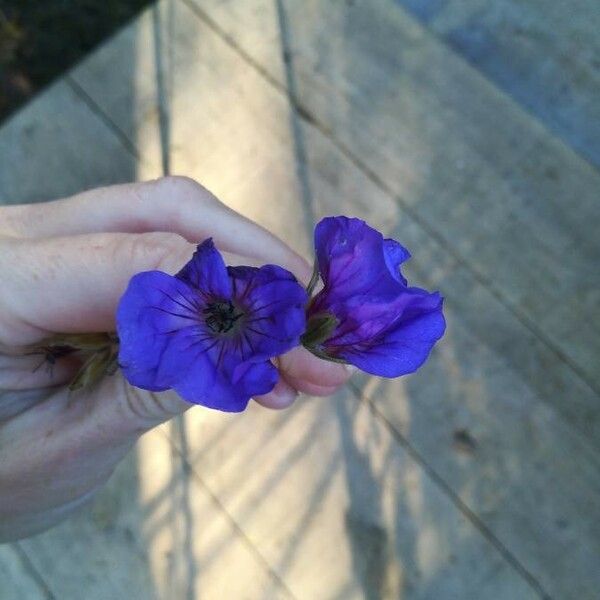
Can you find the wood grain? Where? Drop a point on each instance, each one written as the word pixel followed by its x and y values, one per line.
pixel 544 54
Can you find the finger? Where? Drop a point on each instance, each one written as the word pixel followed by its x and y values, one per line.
pixel 16 402
pixel 126 410
pixel 281 396
pixel 173 204
pixel 310 389
pixel 311 375
pixel 73 284
pixel 139 410
pixel 27 372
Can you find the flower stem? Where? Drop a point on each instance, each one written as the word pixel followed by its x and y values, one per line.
pixel 322 355
pixel 314 279
pixel 99 352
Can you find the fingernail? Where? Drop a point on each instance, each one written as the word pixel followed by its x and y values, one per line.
pixel 350 369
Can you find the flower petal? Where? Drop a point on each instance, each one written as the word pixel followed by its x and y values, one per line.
pixel 206 271
pixel 351 261
pixel 273 302
pixel 225 384
pixel 157 317
pixel 395 254
pixel 402 347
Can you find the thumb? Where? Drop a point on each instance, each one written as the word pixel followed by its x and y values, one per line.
pixel 124 412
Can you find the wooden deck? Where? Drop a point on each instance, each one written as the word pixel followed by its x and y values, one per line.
pixel 468 132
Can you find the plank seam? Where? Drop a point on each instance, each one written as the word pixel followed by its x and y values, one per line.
pixel 471 516
pixel 308 117
pixel 32 571
pixel 97 110
pixel 189 467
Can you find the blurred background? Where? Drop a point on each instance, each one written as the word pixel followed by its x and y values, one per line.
pixel 467 130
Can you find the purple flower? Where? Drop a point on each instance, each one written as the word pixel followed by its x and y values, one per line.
pixel 366 314
pixel 209 331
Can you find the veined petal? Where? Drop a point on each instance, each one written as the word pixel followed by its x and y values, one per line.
pixel 273 302
pixel 208 332
pixel 206 271
pixel 383 326
pixel 218 380
pixel 363 319
pixel 351 261
pixel 157 315
pixel 402 347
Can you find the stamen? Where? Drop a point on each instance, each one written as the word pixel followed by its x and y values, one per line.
pixel 221 316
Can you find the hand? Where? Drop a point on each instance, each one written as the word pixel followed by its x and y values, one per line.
pixel 63 268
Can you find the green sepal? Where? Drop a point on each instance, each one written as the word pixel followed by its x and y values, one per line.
pixel 100 351
pixel 324 356
pixel 319 329
pixel 94 369
pixel 85 342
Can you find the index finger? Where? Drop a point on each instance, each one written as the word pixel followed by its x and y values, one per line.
pixel 170 204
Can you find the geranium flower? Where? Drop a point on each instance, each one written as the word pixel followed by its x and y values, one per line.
pixel 209 332
pixel 366 314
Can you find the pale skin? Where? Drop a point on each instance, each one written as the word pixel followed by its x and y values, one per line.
pixel 63 268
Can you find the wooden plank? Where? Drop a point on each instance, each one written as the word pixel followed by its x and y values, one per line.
pixel 544 54
pixel 514 204
pixel 16 580
pixel 339 509
pixel 57 146
pixel 210 81
pixel 154 532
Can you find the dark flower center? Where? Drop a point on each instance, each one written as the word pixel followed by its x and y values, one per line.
pixel 221 316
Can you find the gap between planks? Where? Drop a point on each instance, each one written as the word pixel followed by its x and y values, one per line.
pixel 220 507
pixel 32 571
pixel 402 441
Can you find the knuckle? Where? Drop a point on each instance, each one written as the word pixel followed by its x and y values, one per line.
pixel 147 409
pixel 180 188
pixel 176 197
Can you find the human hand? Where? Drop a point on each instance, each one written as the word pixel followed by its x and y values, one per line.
pixel 63 267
